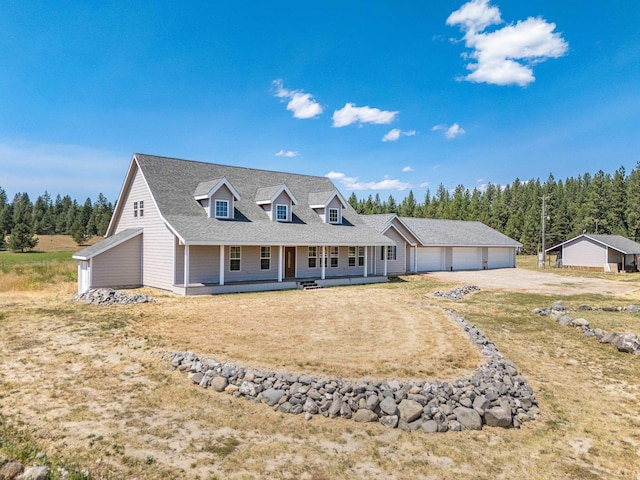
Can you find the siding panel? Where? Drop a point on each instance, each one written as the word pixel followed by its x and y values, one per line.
pixel 119 266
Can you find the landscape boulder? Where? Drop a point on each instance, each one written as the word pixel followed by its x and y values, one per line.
pixel 468 418
pixel 627 342
pixel 410 410
pixel 498 416
pixel 363 415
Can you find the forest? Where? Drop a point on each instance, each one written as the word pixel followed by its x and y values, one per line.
pixel 598 203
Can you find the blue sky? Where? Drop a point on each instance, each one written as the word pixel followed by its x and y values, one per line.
pixel 383 97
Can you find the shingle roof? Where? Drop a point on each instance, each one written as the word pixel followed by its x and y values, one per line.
pixel 107 243
pixel 204 188
pixel 173 181
pixel 617 242
pixel 436 232
pixel 378 222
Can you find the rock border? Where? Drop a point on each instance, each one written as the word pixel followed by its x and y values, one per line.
pixel 457 293
pixel 496 394
pixel 625 342
pixel 109 296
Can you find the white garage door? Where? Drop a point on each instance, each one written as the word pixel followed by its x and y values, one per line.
pixel 500 257
pixel 467 258
pixel 430 259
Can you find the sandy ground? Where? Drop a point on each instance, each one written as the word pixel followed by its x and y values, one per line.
pixel 521 280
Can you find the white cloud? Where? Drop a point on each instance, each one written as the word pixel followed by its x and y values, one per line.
pixel 450 131
pixel 301 104
pixel 351 114
pixel 287 153
pixel 407 169
pixel 394 134
pixel 505 56
pixel 424 184
pixel 353 183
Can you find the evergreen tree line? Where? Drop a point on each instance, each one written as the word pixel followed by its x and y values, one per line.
pixel 23 218
pixel 600 203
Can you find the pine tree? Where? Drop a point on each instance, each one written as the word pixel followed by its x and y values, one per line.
pixel 22 238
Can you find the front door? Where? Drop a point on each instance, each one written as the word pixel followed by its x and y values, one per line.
pixel 289 262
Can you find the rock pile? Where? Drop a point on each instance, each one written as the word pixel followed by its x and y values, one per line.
pixel 495 395
pixel 457 293
pixel 14 470
pixel 108 296
pixel 626 342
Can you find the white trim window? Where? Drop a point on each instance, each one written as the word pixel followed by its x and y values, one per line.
pixel 282 213
pixel 334 215
pixel 141 208
pixel 234 258
pixel 391 252
pixel 361 256
pixel 222 209
pixel 265 258
pixel 352 256
pixel 313 257
pixel 334 256
pixel 135 209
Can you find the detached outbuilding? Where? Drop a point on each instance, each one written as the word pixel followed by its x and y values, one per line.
pixel 598 252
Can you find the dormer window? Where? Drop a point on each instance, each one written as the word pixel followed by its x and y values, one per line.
pixel 222 209
pixel 334 215
pixel 282 213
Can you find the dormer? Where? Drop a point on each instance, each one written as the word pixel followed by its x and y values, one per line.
pixel 277 201
pixel 328 205
pixel 217 197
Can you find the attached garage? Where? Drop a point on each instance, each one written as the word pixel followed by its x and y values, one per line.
pixel 499 257
pixel 430 259
pixel 467 258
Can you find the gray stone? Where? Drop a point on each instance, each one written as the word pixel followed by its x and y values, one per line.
pixel 480 404
pixel 498 416
pixel 285 407
pixel 248 389
pixel 334 409
pixel 579 322
pixel 565 320
pixel 632 308
pixel 609 337
pixel 468 418
pixel 627 342
pixel 364 415
pixel 11 470
pixel 410 410
pixel 372 401
pixel 271 396
pixel 296 409
pixel 345 411
pixel 390 421
pixel 454 426
pixel 310 406
pixel 219 383
pixel 430 426
pixel 389 406
pixel 196 377
pixel 35 473
pixel 558 306
pixel 466 402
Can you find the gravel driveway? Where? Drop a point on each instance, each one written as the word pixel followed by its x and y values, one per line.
pixel 521 280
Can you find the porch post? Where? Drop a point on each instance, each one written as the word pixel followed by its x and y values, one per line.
pixel 415 259
pixel 386 256
pixel 322 266
pixel 186 268
pixel 365 261
pixel 374 260
pixel 221 264
pixel 280 257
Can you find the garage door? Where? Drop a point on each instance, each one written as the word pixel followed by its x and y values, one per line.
pixel 430 259
pixel 500 257
pixel 467 258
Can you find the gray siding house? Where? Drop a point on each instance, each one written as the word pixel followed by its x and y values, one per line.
pixel 427 245
pixel 598 252
pixel 201 228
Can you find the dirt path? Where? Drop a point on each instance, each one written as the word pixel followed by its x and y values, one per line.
pixel 518 279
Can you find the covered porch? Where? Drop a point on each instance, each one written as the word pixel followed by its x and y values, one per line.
pixel 213 269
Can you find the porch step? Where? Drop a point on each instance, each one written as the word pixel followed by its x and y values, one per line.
pixel 309 285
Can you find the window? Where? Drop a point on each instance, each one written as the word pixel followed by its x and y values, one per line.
pixel 222 209
pixel 352 256
pixel 361 256
pixel 265 258
pixel 333 215
pixel 334 256
pixel 135 209
pixel 391 252
pixel 313 257
pixel 282 213
pixel 141 208
pixel 234 259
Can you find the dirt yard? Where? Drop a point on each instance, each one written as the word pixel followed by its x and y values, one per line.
pixel 86 383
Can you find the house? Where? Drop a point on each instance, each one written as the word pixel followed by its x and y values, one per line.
pixel 200 228
pixel 598 252
pixel 425 244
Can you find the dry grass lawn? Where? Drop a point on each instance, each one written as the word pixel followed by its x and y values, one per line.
pixel 85 384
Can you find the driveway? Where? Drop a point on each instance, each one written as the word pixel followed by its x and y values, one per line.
pixel 522 280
